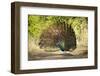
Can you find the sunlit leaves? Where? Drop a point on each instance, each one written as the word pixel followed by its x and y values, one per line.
pixel 37 23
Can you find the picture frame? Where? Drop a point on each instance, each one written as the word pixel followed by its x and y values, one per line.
pixel 18 34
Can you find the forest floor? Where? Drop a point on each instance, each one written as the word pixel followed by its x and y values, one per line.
pixel 79 52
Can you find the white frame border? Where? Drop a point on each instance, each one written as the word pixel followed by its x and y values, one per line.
pixel 25 64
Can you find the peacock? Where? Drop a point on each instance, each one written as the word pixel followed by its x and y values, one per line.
pixel 69 42
pixel 64 39
pixel 60 45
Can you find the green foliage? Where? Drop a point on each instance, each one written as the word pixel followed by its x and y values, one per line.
pixel 37 23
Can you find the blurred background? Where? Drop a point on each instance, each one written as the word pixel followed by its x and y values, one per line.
pixel 49 37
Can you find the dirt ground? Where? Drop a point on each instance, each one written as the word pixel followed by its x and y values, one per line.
pixel 79 52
